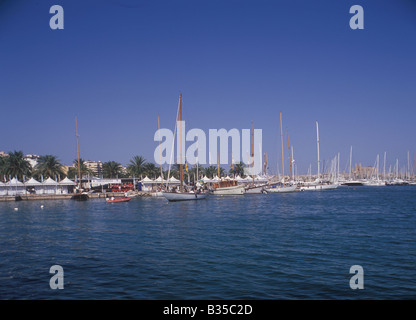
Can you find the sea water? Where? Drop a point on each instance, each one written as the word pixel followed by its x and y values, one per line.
pixel 298 245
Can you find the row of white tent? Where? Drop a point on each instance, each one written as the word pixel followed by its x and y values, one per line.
pixel 150 184
pixel 49 186
pixel 205 179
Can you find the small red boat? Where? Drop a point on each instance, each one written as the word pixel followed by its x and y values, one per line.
pixel 113 200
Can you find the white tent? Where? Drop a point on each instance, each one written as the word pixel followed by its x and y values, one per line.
pixel 32 182
pixel 49 186
pixel 65 185
pixel 173 180
pixel 160 180
pixel 67 182
pixel 35 184
pixel 147 184
pixel 240 180
pixel 215 179
pixel 15 187
pixel 205 179
pixel 259 179
pixel 3 190
pixel 147 180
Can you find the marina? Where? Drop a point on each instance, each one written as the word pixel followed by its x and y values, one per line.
pixel 208 150
pixel 297 245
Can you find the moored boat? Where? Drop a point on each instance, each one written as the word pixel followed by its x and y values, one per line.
pixel 183 196
pixel 254 189
pixel 281 189
pixel 318 187
pixel 115 200
pixel 228 187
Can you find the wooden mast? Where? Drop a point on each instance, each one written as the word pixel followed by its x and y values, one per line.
pixel 79 164
pixel 252 147
pixel 218 166
pixel 232 165
pixel 290 156
pixel 317 144
pixel 281 143
pixel 180 140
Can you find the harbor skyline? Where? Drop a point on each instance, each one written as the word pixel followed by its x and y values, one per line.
pixel 117 65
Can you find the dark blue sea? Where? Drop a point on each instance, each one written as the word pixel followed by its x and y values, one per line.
pixel 278 246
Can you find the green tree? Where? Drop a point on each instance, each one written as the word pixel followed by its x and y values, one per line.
pixel 211 171
pixel 48 166
pixel 238 169
pixel 136 166
pixel 151 170
pixel 15 165
pixel 111 169
pixel 85 171
pixel 2 167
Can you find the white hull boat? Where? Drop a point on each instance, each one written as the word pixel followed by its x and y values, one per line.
pixel 254 190
pixel 229 191
pixel 281 189
pixel 183 196
pixel 376 183
pixel 318 187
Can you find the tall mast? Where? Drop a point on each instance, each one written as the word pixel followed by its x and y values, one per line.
pixel 290 157
pixel 384 167
pixel 232 165
pixel 317 143
pixel 281 143
pixel 79 164
pixel 161 170
pixel 252 147
pixel 350 161
pixel 218 165
pixel 267 168
pixel 180 140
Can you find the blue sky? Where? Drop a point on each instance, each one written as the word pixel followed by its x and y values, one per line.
pixel 118 64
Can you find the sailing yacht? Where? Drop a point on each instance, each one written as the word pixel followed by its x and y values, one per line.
pixel 375 180
pixel 350 182
pixel 281 188
pixel 318 184
pixel 182 194
pixel 253 188
pixel 79 195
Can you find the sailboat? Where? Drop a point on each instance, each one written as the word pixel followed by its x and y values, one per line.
pixel 283 188
pixel 375 181
pixel 253 189
pixel 182 194
pixel 350 182
pixel 318 184
pixel 226 187
pixel 79 195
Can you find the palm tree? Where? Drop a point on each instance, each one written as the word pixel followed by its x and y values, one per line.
pixel 85 171
pixel 238 169
pixel 136 167
pixel 48 166
pixel 2 167
pixel 151 170
pixel 210 171
pixel 15 165
pixel 111 169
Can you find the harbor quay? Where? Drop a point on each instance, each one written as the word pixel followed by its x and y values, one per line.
pixel 95 195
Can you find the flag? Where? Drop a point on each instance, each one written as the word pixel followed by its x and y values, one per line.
pixel 186 167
